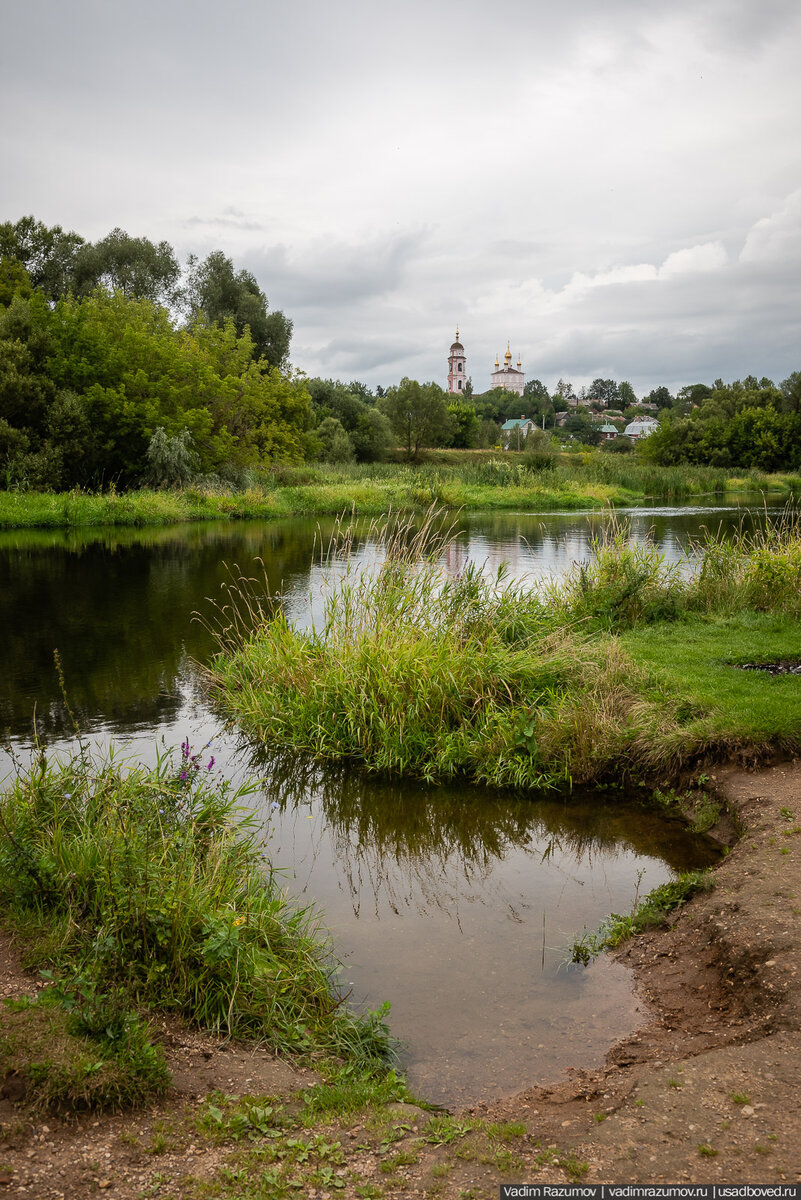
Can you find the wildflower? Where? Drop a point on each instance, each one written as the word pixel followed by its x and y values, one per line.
pixel 184 775
pixel 185 748
pixel 212 760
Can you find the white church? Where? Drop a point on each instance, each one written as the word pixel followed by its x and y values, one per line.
pixel 509 378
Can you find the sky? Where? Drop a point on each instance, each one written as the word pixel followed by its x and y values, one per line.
pixel 614 189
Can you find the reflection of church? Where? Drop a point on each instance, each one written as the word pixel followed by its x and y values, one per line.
pixel 509 378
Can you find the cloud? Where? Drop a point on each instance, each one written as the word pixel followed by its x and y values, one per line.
pixel 776 239
pixel 327 272
pixel 614 188
pixel 229 218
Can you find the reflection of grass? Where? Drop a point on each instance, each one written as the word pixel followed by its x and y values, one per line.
pixel 625 668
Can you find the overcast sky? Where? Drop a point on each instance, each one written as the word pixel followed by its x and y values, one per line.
pixel 613 187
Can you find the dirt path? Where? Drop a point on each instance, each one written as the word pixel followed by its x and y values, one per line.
pixel 707 1091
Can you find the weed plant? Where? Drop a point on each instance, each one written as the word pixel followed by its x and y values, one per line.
pixel 149 884
pixel 623 669
pixel 74 1049
pixel 648 913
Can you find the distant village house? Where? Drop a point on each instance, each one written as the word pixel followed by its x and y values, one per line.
pixel 515 432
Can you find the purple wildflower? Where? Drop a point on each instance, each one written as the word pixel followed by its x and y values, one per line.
pixel 184 775
pixel 211 763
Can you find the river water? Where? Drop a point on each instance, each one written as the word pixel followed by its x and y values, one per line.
pixel 455 904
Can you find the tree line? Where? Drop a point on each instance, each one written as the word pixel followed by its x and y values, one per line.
pixel 116 367
pixel 120 366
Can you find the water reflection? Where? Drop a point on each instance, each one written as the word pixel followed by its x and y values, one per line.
pixel 454 903
pixel 118 603
pixel 457 904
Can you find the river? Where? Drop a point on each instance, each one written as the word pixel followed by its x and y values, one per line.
pixel 453 903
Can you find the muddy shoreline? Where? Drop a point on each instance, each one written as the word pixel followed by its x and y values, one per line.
pixel 706 1090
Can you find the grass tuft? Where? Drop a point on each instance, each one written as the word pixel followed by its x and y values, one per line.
pixel 146 888
pixel 626 669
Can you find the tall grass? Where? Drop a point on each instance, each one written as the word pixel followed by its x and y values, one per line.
pixel 534 483
pixel 422 672
pixel 151 881
pixel 758 569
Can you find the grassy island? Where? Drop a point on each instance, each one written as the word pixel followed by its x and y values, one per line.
pixel 629 669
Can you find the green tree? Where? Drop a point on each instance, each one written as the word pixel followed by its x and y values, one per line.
pixel 137 267
pixel 14 281
pixel 335 444
pixel 606 391
pixel 418 414
pixel 215 290
pixel 464 424
pixel 791 392
pixel 353 406
pixel 47 254
pixel 661 397
pixel 171 461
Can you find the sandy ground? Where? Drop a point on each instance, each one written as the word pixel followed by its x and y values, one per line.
pixel 706 1091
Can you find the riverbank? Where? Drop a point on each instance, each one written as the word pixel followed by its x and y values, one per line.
pixel 474 482
pixel 139 892
pixel 705 1091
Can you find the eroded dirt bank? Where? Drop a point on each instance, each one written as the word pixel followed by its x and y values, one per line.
pixel 708 1090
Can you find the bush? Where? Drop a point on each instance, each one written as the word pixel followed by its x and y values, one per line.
pixel 171 461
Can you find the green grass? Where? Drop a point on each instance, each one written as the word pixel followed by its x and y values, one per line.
pixel 648 913
pixel 66 1053
pixel 625 670
pixel 141 890
pixel 725 710
pixel 471 480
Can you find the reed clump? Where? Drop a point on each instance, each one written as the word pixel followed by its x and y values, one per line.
pixel 418 670
pixel 146 889
pixel 756 569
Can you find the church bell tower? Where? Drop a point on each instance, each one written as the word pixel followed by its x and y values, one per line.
pixel 457 367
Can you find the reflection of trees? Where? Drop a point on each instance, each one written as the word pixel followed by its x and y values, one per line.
pixel 118 606
pixel 392 838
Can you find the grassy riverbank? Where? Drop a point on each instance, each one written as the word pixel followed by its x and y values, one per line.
pixel 140 891
pixel 628 669
pixel 472 481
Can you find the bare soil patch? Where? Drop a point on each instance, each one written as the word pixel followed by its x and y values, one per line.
pixel 707 1090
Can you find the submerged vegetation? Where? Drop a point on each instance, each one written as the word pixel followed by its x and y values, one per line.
pixel 137 890
pixel 624 670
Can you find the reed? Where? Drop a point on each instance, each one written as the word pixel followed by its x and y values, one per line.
pixel 418 671
pixel 468 480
